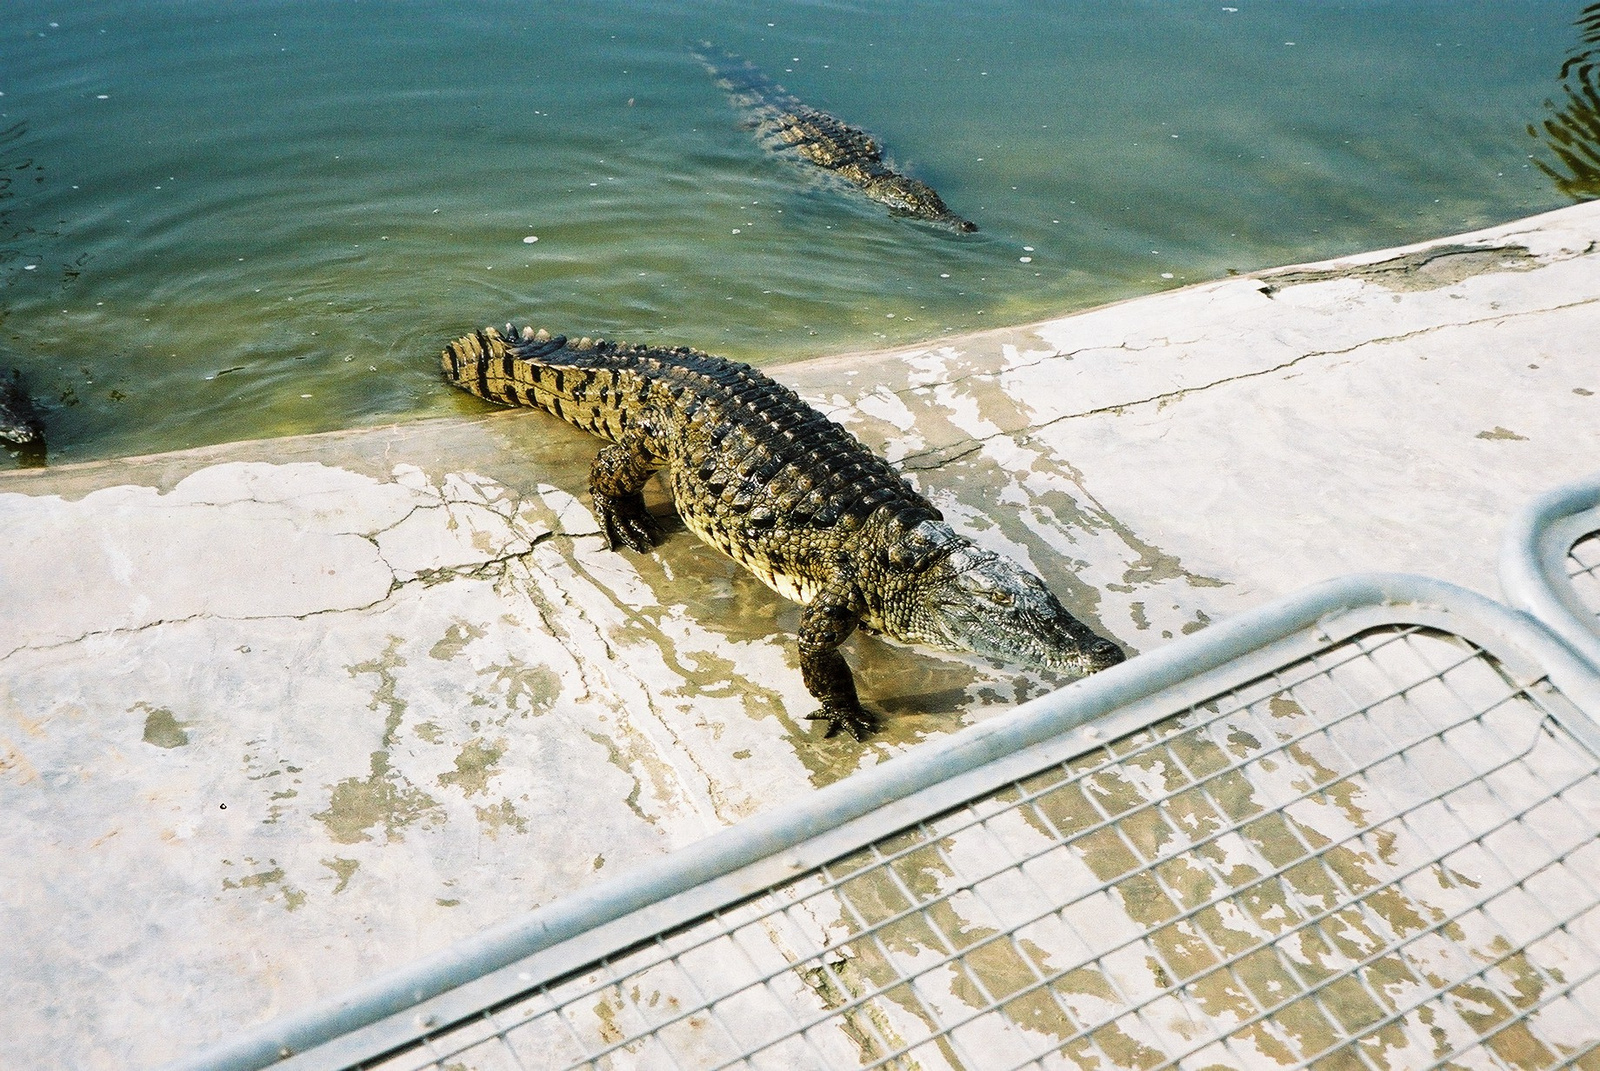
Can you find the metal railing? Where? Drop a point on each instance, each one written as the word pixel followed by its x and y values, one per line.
pixel 1355 828
pixel 1550 564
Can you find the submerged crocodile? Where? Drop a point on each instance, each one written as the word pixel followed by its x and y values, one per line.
pixel 19 421
pixel 788 494
pixel 829 142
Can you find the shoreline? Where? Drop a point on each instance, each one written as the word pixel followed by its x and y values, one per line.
pixel 281 714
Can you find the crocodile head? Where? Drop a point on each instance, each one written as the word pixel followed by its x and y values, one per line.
pixel 907 196
pixel 963 598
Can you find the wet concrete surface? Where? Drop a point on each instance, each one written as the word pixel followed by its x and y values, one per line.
pixel 276 716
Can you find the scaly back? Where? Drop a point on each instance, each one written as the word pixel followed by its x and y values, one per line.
pixel 745 446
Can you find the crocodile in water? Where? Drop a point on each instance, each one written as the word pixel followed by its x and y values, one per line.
pixel 827 141
pixel 787 493
pixel 19 421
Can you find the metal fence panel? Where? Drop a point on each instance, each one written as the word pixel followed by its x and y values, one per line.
pixel 1550 564
pixel 1357 829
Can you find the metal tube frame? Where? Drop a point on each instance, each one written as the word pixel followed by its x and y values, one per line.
pixel 395 1011
pixel 1533 556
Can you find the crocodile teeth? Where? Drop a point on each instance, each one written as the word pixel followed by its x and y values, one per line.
pixel 542 335
pixel 527 334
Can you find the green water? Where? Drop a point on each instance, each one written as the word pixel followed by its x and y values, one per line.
pixel 230 220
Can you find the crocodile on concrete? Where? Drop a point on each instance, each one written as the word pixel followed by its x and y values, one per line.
pixel 787 493
pixel 824 140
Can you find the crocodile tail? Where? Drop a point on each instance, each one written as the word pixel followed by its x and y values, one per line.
pixel 497 369
pixel 743 81
pixel 587 383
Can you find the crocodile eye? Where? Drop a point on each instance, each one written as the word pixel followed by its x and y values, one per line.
pixel 1000 597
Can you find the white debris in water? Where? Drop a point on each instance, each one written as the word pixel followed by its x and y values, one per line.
pixel 530 239
pixel 29 267
pixel 736 230
pixel 102 96
pixel 1166 275
pixel 1025 260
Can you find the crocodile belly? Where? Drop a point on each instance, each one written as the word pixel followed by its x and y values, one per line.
pixel 760 556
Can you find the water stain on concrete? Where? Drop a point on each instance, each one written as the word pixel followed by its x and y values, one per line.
pixel 455 640
pixel 343 869
pixel 839 985
pixel 276 809
pixel 384 798
pixel 616 757
pixel 358 805
pixel 1423 269
pixel 474 766
pixel 1152 565
pixel 501 816
pixel 526 688
pixel 1502 433
pixel 606 1012
pixel 161 727
pixel 385 666
pixel 293 898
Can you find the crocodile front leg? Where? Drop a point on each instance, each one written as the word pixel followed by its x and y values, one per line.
pixel 616 486
pixel 825 624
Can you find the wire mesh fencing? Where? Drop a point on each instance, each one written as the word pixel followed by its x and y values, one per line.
pixel 1583 572
pixel 1369 843
pixel 1550 564
pixel 1381 856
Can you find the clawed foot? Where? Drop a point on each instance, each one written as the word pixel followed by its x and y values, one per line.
pixel 627 524
pixel 853 720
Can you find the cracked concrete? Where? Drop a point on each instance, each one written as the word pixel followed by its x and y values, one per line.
pixel 275 716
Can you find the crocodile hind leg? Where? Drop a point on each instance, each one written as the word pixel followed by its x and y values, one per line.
pixel 825 624
pixel 616 486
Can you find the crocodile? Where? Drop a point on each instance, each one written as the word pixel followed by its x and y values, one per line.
pixel 786 492
pixel 825 140
pixel 19 421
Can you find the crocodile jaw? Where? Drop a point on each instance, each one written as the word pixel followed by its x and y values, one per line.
pixel 980 602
